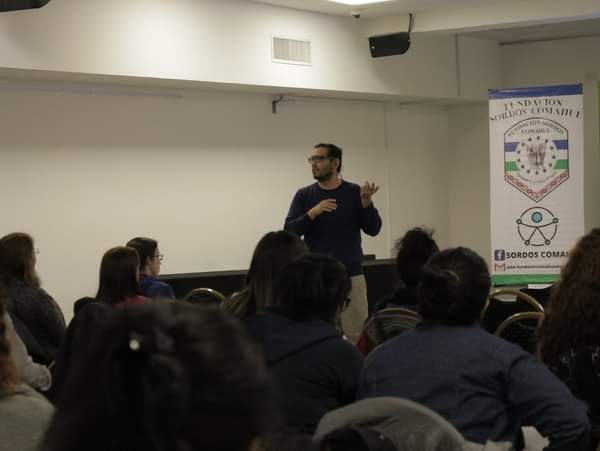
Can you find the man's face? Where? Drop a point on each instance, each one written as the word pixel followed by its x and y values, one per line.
pixel 322 167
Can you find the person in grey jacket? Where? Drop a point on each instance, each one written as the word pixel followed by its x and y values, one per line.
pixel 24 413
pixel 36 375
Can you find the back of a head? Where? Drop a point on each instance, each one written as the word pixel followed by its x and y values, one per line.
pixel 145 247
pixel 573 311
pixel 17 259
pixel 166 376
pixel 412 252
pixel 313 287
pixel 118 275
pixel 272 253
pixel 454 286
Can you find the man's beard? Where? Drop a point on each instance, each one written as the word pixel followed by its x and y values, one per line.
pixel 323 176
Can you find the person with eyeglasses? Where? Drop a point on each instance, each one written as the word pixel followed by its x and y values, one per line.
pixel 37 317
pixel 150 260
pixel 330 214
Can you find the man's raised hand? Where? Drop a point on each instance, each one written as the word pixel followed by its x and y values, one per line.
pixel 366 193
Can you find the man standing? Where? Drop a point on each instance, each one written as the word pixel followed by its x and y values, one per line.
pixel 330 214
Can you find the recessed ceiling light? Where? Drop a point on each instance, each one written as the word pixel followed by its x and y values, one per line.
pixel 358 2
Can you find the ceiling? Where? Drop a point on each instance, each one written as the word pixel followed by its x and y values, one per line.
pixel 378 9
pixel 546 32
pixel 508 35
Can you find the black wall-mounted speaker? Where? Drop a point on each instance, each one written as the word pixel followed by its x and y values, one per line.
pixel 389 44
pixel 14 5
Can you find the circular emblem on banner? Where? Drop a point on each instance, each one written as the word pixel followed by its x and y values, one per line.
pixel 536 156
pixel 537 226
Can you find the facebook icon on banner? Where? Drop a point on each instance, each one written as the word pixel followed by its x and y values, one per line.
pixel 499 255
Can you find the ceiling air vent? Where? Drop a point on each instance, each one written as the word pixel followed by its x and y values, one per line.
pixel 291 51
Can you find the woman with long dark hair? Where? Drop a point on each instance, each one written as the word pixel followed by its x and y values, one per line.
pixel 315 366
pixel 119 274
pixel 569 336
pixel 36 316
pixel 272 253
pixel 166 376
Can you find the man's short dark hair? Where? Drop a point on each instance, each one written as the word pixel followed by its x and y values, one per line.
pixel 333 152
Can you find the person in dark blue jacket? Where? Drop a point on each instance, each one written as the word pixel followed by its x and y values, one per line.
pixel 486 387
pixel 330 214
pixel 150 260
pixel 317 369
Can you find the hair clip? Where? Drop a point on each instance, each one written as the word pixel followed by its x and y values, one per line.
pixel 135 342
pixel 453 274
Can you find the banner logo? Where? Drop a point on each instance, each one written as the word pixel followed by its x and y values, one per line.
pixel 537 226
pixel 536 156
pixel 499 267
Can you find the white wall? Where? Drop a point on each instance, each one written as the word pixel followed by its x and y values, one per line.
pixel 207 174
pixel 417 142
pixel 224 42
pixel 565 61
pixel 469 177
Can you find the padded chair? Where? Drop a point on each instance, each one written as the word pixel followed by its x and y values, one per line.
pixel 206 296
pixel 505 302
pixel 409 426
pixel 384 325
pixel 520 329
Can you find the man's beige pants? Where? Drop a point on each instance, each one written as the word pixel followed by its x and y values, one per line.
pixel 356 313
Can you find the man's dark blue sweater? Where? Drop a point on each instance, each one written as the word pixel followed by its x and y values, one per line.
pixel 335 233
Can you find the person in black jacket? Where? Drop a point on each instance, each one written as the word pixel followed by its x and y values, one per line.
pixel 37 318
pixel 316 367
pixel 412 252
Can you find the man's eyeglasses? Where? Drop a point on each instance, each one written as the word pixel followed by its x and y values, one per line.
pixel 317 159
pixel 159 256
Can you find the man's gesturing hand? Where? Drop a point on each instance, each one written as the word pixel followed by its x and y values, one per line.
pixel 325 206
pixel 366 193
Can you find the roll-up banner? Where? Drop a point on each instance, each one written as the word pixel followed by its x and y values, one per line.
pixel 536 176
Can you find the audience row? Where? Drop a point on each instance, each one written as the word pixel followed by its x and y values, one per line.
pixel 272 370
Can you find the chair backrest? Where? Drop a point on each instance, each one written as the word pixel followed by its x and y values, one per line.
pixel 520 329
pixel 505 302
pixel 386 324
pixel 409 425
pixel 204 296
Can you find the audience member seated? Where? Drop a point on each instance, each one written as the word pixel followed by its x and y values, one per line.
pixel 118 288
pixel 569 336
pixel 398 311
pixel 24 414
pixel 166 376
pixel 36 317
pixel 316 367
pixel 150 260
pixel 412 252
pixel 272 253
pixel 484 386
pixel 119 275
